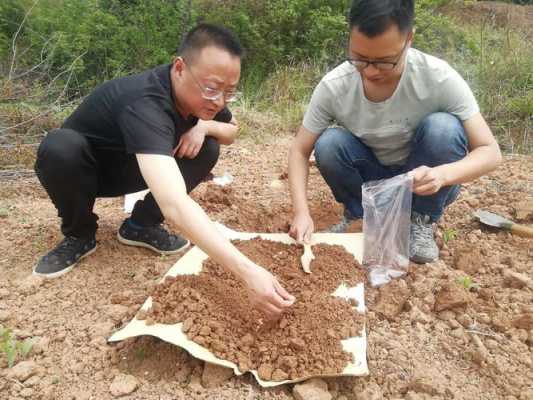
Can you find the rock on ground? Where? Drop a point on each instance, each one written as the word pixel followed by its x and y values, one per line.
pixel 214 375
pixel 123 385
pixel 23 370
pixel 313 389
pixel 451 296
pixel 392 299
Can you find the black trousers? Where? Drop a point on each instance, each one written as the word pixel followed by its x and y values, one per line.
pixel 74 174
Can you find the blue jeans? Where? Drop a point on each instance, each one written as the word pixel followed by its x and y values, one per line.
pixel 346 163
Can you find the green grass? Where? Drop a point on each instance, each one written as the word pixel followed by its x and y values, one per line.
pixel 467 282
pixel 501 74
pixel 496 62
pixel 449 234
pixel 11 348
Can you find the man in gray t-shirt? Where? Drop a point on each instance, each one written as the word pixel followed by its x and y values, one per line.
pixel 394 110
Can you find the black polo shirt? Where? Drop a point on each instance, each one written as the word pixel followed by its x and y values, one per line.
pixel 134 114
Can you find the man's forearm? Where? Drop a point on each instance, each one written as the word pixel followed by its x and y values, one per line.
pixel 478 162
pixel 197 227
pixel 224 132
pixel 298 176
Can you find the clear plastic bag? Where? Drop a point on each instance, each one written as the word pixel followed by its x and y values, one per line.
pixel 386 224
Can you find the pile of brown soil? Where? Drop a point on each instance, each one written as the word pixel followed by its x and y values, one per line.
pixel 305 341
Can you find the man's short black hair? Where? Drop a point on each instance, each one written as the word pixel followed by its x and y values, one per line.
pixel 373 17
pixel 205 35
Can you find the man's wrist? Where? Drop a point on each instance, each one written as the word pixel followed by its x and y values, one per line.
pixel 444 171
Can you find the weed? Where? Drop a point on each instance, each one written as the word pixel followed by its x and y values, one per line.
pixel 13 348
pixel 449 234
pixel 468 283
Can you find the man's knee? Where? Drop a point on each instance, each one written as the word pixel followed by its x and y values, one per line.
pixel 327 147
pixel 440 127
pixel 442 135
pixel 61 150
pixel 338 147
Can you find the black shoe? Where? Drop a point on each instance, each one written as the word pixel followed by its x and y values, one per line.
pixel 64 257
pixel 154 238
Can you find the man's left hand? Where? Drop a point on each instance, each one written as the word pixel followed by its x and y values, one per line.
pixel 427 181
pixel 191 142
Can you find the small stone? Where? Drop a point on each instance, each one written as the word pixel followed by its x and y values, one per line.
pixel 371 392
pixel 457 333
pixel 247 340
pixel 446 315
pixel 4 293
pixel 468 259
pixel 265 372
pixel 297 344
pixel 30 284
pixel 517 281
pixel 4 315
pixel 102 329
pixel 465 320
pixel 418 316
pixel 40 345
pixel 392 299
pixel 451 296
pixel 524 209
pixel 116 312
pixel 26 393
pixel 23 370
pixel 313 389
pixel 423 385
pixel 34 380
pixel 491 344
pixel 276 184
pixel 123 385
pixel 82 395
pixel 195 384
pixel 279 375
pixel 524 321
pixel 213 375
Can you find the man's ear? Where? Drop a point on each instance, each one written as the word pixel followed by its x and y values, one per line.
pixel 411 36
pixel 178 65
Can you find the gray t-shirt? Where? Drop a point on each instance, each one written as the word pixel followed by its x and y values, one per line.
pixel 427 85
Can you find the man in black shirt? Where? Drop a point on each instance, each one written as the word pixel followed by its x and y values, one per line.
pixel 159 129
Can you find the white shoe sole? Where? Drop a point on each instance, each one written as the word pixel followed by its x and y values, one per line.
pixel 147 246
pixel 63 271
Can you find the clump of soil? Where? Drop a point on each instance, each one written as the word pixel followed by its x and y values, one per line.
pixel 218 198
pixel 305 341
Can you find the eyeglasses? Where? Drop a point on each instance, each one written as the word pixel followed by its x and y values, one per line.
pixel 361 65
pixel 214 94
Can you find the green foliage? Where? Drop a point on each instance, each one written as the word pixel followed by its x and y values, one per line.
pixel 467 282
pixel 501 76
pixel 290 44
pixel 98 40
pixel 449 234
pixel 281 32
pixel 13 348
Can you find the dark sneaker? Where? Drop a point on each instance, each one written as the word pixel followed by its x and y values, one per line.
pixel 155 238
pixel 64 257
pixel 422 246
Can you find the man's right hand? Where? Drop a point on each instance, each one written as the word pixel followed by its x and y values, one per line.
pixel 302 228
pixel 266 293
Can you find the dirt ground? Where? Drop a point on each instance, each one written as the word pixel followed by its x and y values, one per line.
pixel 512 16
pixel 428 336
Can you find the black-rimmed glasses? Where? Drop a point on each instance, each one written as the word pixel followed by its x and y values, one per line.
pixel 360 65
